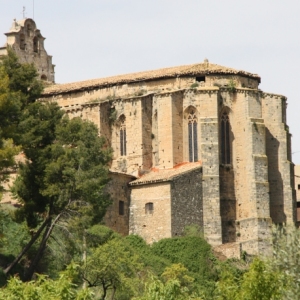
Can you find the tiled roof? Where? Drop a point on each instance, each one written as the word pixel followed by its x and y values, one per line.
pixel 204 68
pixel 159 175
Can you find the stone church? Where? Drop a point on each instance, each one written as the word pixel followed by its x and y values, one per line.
pixel 195 144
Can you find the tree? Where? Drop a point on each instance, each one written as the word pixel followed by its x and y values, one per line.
pixel 176 284
pixel 259 282
pixel 9 110
pixel 23 79
pixel 114 268
pixel 18 87
pixel 64 176
pixel 46 289
pixel 286 260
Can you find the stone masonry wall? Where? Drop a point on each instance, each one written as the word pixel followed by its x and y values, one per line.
pixel 228 204
pixel 280 173
pixel 119 191
pixel 209 142
pixel 186 201
pixel 151 226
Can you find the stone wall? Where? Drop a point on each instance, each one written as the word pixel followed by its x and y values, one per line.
pixel 156 225
pixel 228 204
pixel 119 191
pixel 186 201
pixel 280 167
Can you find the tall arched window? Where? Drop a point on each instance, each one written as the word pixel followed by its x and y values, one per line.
pixel 225 139
pixel 122 136
pixel 192 134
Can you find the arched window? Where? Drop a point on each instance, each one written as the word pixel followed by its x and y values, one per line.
pixel 35 44
pixel 44 77
pixel 22 41
pixel 122 136
pixel 192 134
pixel 225 139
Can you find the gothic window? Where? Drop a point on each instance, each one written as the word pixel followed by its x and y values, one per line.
pixel 123 136
pixel 225 139
pixel 149 208
pixel 121 208
pixel 192 134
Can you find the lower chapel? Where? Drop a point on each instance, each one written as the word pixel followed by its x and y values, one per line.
pixel 196 144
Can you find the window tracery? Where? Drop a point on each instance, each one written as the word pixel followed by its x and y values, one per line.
pixel 193 137
pixel 122 136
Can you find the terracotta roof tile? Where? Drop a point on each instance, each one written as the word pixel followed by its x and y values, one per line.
pixel 194 69
pixel 159 175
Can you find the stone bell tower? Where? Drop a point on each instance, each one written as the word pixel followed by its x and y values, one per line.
pixel 28 43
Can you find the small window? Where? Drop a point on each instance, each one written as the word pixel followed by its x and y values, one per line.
pixel 149 208
pixel 298 186
pixel 200 78
pixel 121 208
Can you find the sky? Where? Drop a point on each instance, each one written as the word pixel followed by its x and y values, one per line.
pixel 98 38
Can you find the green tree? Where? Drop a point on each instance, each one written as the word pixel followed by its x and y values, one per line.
pixel 114 268
pixel 286 260
pixel 23 79
pixel 258 283
pixel 64 176
pixel 46 289
pixel 175 284
pixel 18 87
pixel 9 110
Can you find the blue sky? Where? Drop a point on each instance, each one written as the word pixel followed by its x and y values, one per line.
pixel 97 38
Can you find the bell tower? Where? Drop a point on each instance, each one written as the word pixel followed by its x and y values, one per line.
pixel 28 43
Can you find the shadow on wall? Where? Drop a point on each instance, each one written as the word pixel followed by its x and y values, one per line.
pixel 275 180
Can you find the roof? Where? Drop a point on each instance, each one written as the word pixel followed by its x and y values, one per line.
pixel 161 175
pixel 204 68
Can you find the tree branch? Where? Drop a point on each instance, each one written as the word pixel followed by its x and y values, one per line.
pixel 27 247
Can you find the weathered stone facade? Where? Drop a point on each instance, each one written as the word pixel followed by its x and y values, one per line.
pixel 198 144
pixel 202 113
pixel 175 198
pixel 28 43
